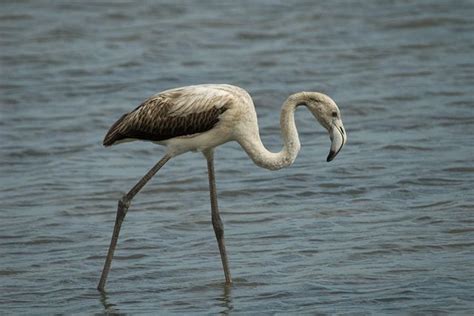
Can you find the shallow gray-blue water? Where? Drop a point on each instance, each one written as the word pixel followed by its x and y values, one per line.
pixel 387 227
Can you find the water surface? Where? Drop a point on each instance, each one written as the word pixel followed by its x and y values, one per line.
pixel 385 228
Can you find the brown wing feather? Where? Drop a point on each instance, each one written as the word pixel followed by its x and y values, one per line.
pixel 155 119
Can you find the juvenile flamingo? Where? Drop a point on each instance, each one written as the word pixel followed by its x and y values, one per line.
pixel 202 117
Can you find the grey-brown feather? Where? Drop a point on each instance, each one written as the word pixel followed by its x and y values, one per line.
pixel 156 119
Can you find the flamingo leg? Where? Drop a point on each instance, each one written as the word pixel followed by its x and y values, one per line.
pixel 123 205
pixel 216 219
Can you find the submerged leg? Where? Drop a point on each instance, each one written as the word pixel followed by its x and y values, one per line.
pixel 216 219
pixel 122 209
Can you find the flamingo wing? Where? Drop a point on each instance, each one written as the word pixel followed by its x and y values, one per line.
pixel 172 113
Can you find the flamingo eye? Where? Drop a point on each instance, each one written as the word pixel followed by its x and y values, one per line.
pixel 334 114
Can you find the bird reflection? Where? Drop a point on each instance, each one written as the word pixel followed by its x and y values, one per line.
pixel 226 300
pixel 108 307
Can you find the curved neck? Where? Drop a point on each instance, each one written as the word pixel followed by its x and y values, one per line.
pixel 291 142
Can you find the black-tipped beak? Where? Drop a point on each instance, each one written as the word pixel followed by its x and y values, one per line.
pixel 331 156
pixel 338 139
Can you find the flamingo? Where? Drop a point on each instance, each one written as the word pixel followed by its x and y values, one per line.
pixel 202 117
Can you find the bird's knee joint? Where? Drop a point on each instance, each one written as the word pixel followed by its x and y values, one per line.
pixel 123 205
pixel 124 201
pixel 218 226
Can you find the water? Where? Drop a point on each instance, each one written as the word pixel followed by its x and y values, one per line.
pixel 385 228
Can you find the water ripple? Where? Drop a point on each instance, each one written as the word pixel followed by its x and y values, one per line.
pixel 386 228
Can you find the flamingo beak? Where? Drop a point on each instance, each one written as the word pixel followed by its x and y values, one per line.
pixel 338 137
